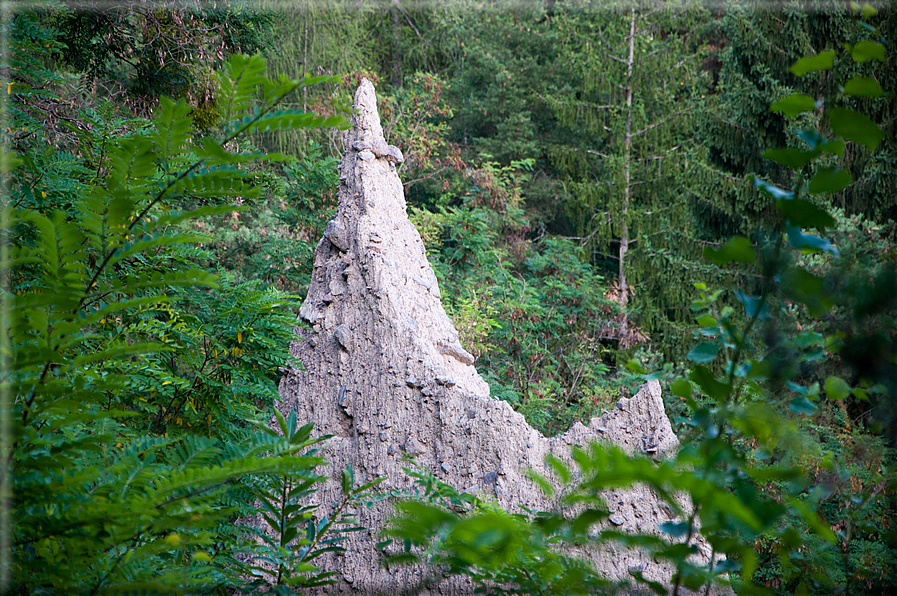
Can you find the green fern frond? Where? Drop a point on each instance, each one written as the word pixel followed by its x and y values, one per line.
pixel 195 451
pixel 239 82
pixel 173 129
pixel 287 119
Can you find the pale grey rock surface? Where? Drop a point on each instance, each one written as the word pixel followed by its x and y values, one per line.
pixel 384 373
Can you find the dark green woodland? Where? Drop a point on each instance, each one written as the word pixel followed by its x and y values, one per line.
pixel 702 193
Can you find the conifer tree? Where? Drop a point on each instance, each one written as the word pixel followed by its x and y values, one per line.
pixel 627 109
pixel 754 47
pixel 317 37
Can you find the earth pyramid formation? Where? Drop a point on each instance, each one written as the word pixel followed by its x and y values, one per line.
pixel 385 374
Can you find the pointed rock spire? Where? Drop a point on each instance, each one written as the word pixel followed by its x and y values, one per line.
pixel 385 373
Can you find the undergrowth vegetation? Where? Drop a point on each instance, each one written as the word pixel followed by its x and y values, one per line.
pixel 137 383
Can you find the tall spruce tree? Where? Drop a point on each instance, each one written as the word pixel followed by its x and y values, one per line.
pixel 633 86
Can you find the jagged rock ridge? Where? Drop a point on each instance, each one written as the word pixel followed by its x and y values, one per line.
pixel 384 373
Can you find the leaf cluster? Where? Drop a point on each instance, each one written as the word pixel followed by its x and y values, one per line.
pixel 133 374
pixel 297 533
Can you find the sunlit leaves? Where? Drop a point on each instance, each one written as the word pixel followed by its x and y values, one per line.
pixel 808 64
pixel 794 105
pixel 865 51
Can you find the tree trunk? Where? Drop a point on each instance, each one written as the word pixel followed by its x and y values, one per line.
pixel 305 58
pixel 627 176
pixel 305 67
pixel 396 45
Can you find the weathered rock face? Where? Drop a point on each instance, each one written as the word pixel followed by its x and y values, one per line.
pixel 385 374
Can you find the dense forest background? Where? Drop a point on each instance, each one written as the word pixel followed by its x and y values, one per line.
pixel 522 181
pixel 594 185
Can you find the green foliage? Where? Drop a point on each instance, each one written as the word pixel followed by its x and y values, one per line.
pixel 166 48
pixel 751 50
pixel 119 353
pixel 273 241
pixel 759 59
pixel 772 484
pixel 458 533
pixel 224 351
pixel 135 401
pixel 101 509
pixel 283 561
pixel 415 117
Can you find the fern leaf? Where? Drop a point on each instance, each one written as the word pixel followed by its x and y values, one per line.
pixel 287 120
pixel 173 129
pixel 239 82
